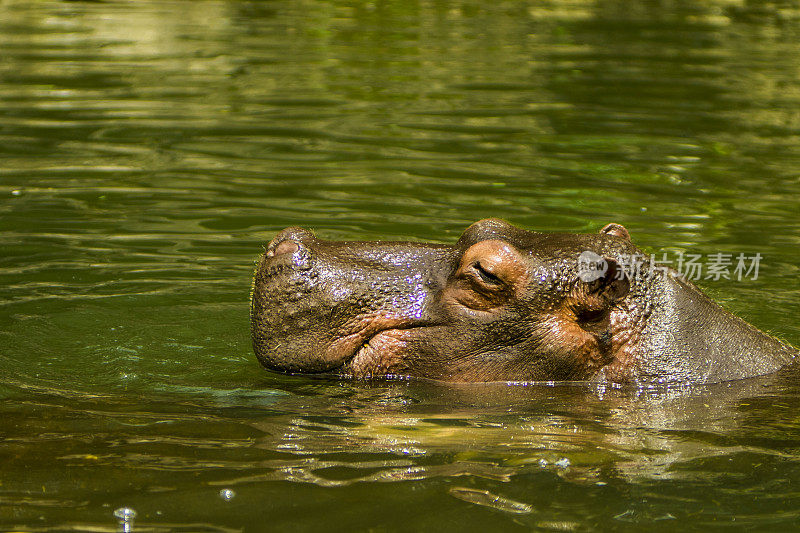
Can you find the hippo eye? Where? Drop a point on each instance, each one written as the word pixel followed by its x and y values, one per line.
pixel 490 274
pixel 486 276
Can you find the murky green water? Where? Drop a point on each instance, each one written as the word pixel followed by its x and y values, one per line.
pixel 149 149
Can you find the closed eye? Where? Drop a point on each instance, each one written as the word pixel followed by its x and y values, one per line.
pixel 486 276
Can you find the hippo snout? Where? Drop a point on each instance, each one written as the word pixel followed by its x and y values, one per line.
pixel 317 305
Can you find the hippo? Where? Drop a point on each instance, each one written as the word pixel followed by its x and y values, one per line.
pixel 502 304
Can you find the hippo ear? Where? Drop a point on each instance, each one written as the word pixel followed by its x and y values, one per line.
pixel 617 230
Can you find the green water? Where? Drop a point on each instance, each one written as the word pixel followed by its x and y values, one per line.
pixel 148 150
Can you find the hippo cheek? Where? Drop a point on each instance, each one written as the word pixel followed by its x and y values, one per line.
pixel 572 353
pixel 385 353
pixel 368 344
pixel 373 344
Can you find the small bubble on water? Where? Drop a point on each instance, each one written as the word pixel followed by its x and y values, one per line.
pixel 125 515
pixel 563 462
pixel 227 494
pixel 16 192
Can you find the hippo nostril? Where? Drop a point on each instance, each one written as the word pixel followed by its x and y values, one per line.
pixel 285 247
pixel 289 241
pixel 280 247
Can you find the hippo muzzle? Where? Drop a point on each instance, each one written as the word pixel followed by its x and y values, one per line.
pixel 321 306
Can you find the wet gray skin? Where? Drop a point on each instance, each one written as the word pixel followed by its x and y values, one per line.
pixel 502 304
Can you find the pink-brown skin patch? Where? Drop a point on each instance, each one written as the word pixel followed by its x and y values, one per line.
pixel 489 274
pixel 582 325
pixel 386 353
pixel 626 337
pixel 588 351
pixel 370 340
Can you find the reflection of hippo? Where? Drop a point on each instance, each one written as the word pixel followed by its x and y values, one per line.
pixel 503 304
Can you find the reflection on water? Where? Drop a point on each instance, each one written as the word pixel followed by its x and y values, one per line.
pixel 523 452
pixel 148 150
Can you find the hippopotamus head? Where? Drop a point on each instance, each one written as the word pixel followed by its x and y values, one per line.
pixel 502 304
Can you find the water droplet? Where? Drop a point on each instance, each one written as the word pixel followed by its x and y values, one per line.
pixel 125 515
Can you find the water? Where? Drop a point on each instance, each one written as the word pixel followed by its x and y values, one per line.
pixel 148 150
